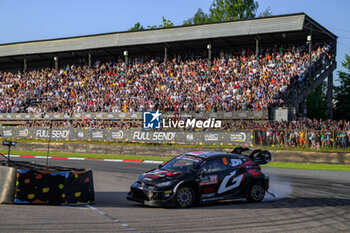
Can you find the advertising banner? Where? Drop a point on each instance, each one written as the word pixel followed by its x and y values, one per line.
pixel 188 137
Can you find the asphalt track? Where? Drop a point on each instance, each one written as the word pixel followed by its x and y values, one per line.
pixel 307 201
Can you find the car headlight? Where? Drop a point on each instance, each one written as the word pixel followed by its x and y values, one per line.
pixel 164 184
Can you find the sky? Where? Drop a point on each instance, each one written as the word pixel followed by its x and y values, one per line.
pixel 28 20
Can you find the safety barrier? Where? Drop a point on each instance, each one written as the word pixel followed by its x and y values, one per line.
pixel 28 183
pixel 244 138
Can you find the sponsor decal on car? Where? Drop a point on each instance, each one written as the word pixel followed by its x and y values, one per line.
pixel 208 189
pixel 158 173
pixel 190 158
pixel 209 180
pixel 208 195
pixel 228 183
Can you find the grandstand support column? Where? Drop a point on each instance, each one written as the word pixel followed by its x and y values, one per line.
pixel 56 62
pixel 89 59
pixel 209 58
pixel 165 53
pixel 256 47
pixel 24 64
pixel 126 54
pixel 309 41
pixel 330 97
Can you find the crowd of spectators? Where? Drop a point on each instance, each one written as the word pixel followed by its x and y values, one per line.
pixel 237 81
pixel 298 133
pixel 88 124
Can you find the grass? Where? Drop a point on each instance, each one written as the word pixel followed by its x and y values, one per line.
pixel 286 165
pixel 308 166
pixel 85 155
pixel 273 148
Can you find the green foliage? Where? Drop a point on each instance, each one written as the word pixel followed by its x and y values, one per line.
pixel 266 13
pixel 342 92
pixel 317 102
pixel 137 27
pixel 199 18
pixel 308 166
pixel 225 10
pixel 166 24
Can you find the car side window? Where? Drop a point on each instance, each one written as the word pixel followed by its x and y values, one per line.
pixel 215 165
pixel 235 162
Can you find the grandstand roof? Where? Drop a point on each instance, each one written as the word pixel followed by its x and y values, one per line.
pixel 275 28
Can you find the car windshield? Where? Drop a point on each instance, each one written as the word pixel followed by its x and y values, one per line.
pixel 183 163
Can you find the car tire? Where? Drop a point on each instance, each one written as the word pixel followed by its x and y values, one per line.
pixel 185 197
pixel 256 192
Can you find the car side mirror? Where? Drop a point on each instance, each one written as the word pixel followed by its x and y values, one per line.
pixel 162 164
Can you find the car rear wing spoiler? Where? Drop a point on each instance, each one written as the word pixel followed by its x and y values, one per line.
pixel 257 156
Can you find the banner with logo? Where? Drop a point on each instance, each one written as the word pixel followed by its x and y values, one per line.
pixel 188 137
pixel 237 115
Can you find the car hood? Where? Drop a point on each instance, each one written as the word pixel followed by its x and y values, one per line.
pixel 159 175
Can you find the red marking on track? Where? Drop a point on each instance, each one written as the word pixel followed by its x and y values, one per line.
pixel 132 161
pixel 27 156
pixel 94 159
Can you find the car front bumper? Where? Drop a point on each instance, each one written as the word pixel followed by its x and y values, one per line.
pixel 151 197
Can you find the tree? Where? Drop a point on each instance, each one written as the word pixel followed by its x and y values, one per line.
pixel 137 27
pixel 166 24
pixel 266 13
pixel 316 102
pixel 342 92
pixel 224 10
pixel 199 18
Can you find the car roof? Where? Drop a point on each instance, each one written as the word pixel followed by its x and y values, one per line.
pixel 210 154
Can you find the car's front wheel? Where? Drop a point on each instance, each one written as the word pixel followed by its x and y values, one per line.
pixel 256 192
pixel 185 196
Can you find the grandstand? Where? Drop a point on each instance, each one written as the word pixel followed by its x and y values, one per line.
pixel 245 66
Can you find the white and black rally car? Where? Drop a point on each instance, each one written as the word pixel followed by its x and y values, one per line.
pixel 202 177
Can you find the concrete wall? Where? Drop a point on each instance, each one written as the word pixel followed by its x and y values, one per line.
pixel 283 156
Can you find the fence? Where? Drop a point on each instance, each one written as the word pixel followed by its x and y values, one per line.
pixel 244 138
pixel 303 138
pixel 289 138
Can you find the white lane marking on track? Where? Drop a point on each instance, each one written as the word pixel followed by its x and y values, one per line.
pixel 104 160
pixel 151 161
pixel 40 157
pixel 113 160
pixel 113 219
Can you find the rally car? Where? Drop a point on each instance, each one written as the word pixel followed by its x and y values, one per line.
pixel 202 177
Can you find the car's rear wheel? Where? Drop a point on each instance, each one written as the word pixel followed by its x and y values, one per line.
pixel 185 196
pixel 256 192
